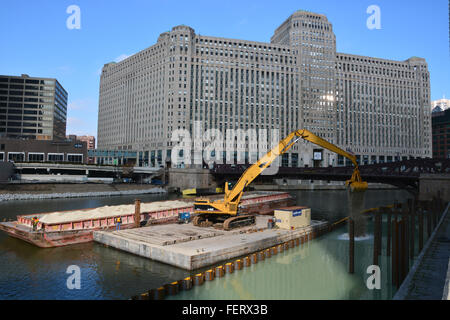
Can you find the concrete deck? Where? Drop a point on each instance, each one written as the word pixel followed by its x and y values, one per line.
pixel 190 248
pixel 429 277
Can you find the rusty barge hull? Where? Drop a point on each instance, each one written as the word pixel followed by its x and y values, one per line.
pixel 81 231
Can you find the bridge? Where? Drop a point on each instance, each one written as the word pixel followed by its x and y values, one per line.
pixel 404 174
pixel 38 171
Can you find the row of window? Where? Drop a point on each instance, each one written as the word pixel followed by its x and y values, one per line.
pixel 40 157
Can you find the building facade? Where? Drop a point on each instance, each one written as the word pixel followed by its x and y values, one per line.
pixel 90 144
pixel 382 108
pixel 441 134
pixel 32 108
pixel 297 81
pixel 28 150
pixel 90 140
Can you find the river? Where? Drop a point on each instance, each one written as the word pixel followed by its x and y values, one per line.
pixel 315 271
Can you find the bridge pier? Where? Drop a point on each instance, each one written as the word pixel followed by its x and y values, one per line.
pixel 430 185
pixel 191 178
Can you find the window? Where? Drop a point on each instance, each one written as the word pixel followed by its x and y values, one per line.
pixel 2 156
pixel 76 158
pixel 35 157
pixel 56 157
pixel 16 156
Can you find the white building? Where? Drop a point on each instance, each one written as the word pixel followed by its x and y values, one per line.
pixel 377 108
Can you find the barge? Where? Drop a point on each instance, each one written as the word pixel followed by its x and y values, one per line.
pixel 62 228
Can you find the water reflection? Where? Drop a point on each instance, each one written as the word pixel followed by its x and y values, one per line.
pixel 355 207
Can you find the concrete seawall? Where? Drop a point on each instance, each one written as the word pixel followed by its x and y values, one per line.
pixel 11 192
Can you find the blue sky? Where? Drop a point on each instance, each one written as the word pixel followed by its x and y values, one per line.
pixel 36 41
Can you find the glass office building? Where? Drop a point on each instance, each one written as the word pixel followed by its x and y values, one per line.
pixel 32 108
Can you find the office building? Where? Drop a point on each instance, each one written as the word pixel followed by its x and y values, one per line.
pixel 32 108
pixel 376 108
pixel 441 134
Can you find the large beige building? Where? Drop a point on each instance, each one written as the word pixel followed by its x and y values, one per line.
pixel 379 109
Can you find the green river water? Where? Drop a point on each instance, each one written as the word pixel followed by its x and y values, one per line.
pixel 318 270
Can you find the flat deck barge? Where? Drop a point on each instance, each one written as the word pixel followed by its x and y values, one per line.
pixel 189 247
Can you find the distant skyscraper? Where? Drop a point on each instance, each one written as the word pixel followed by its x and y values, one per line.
pixel 33 108
pixel 377 108
pixel 441 134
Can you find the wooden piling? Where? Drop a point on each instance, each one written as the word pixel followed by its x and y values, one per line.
pixel 406 241
pixel 376 234
pixel 389 231
pixel 428 212
pixel 351 252
pixel 137 213
pixel 420 213
pixel 395 253
pixel 412 233
pixel 380 232
pixel 435 212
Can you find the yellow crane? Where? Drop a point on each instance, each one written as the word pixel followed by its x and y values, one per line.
pixel 226 211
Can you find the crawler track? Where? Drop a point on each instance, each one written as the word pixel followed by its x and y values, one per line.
pixel 227 222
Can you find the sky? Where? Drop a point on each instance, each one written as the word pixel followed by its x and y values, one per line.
pixel 35 39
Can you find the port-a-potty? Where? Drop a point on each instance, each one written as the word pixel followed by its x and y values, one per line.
pixel 292 217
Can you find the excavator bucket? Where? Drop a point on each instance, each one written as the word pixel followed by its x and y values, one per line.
pixel 357 186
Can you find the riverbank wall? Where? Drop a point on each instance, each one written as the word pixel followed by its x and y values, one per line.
pixel 37 191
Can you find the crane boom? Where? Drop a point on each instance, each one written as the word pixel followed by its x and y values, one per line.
pixel 284 145
pixel 229 205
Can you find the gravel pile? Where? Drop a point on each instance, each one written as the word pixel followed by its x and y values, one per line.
pixel 109 211
pixel 28 196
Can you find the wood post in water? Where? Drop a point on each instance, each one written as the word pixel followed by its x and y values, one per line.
pixel 389 231
pixel 137 213
pixel 376 237
pixel 351 251
pixel 406 241
pixel 395 247
pixel 428 212
pixel 412 212
pixel 420 212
